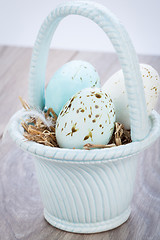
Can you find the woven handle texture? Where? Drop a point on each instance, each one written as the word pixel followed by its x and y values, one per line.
pixel 140 124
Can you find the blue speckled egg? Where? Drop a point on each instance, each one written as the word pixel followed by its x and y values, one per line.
pixel 88 117
pixel 67 81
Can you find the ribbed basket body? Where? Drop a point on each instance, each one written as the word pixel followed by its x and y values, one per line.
pixel 86 198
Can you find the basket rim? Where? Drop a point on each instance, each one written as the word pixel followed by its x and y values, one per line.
pixel 81 155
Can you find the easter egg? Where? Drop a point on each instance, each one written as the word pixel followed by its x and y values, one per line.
pixel 88 117
pixel 67 81
pixel 116 88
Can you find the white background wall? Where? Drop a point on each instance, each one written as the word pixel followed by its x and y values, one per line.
pixel 20 21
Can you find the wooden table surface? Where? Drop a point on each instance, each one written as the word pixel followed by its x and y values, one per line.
pixel 21 210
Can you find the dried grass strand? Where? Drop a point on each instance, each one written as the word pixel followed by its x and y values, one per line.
pixel 89 146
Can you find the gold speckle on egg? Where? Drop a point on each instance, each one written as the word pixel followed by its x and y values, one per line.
pixel 72 99
pixel 96 106
pixel 86 137
pixel 74 129
pixel 89 115
pixel 61 112
pixel 154 88
pixel 66 109
pixel 98 95
pixel 97 115
pixel 91 109
pixel 90 135
pixel 109 118
pixel 94 120
pixel 84 119
pixel 111 129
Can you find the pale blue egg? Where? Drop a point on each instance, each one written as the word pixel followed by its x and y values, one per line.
pixel 67 81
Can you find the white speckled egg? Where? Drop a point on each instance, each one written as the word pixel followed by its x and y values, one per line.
pixel 116 88
pixel 88 117
pixel 67 81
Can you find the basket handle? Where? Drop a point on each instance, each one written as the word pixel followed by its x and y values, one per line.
pixel 140 124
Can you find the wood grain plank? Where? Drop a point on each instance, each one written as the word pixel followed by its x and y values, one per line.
pixel 21 209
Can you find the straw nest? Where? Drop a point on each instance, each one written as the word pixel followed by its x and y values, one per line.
pixel 43 131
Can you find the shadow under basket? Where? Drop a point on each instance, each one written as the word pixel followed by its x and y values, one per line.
pixel 88 191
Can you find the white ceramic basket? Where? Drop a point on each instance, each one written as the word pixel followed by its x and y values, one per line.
pixel 88 191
